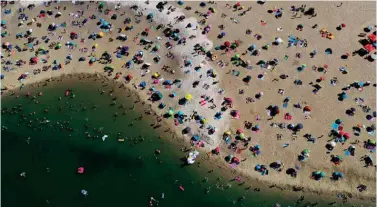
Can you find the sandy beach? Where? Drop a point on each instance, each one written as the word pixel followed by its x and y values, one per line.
pixel 253 55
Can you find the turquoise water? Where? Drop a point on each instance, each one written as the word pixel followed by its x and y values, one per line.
pixel 116 174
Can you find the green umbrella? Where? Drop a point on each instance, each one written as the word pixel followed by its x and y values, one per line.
pixel 160 95
pixel 108 68
pixel 306 151
pixel 237 56
pixel 171 112
pixel 372 141
pixel 323 174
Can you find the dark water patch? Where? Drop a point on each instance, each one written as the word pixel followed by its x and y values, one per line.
pixel 116 173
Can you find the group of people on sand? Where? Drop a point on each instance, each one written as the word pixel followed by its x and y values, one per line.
pixel 63 37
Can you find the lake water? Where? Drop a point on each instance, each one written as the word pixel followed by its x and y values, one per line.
pixel 116 174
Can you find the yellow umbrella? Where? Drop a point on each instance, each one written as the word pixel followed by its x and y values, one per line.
pixel 188 97
pixel 96 45
pixel 100 34
pixel 156 75
pixel 227 133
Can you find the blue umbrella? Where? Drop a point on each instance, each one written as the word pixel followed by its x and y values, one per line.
pixel 143 84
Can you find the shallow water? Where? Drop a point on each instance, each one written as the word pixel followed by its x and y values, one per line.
pixel 126 173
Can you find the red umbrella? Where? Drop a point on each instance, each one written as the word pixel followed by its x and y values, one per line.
pixel 34 59
pixel 229 100
pixel 147 29
pixel 236 160
pixel 237 42
pixel 217 150
pixel 369 47
pixel 372 37
pixel 227 44
pixel 239 131
pixel 129 77
pixel 307 108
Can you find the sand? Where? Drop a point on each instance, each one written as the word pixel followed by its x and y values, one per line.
pixel 325 106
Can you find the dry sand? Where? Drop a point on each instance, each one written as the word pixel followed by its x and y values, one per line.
pixel 325 106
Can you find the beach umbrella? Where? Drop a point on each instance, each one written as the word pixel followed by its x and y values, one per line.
pixel 275 111
pixel 332 143
pixel 34 59
pixel 239 131
pixel 186 130
pixel 227 44
pixel 202 4
pixel 237 56
pixel 328 51
pixel 374 56
pixel 307 108
pixel 369 47
pixel 242 136
pixel 228 100
pixel 235 113
pixel 195 138
pixel 278 40
pixel 143 84
pixel 372 37
pixel 129 77
pixel 299 126
pixel 157 96
pixel 323 174
pixel 338 121
pixel 252 47
pixel 236 160
pixel 306 151
pixel 100 34
pixel 188 97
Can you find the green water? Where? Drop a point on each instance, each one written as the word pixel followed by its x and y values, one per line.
pixel 116 174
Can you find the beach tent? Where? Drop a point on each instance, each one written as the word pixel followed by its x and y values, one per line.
pixel 369 47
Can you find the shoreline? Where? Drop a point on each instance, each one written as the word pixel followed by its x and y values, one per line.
pixel 177 139
pixel 318 187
